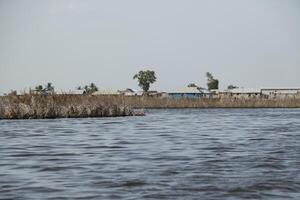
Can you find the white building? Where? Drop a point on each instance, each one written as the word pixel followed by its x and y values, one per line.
pixel 107 92
pixel 280 91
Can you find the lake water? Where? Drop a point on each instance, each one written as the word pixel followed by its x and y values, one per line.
pixel 168 154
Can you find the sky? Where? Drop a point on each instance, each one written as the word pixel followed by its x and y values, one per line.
pixel 247 43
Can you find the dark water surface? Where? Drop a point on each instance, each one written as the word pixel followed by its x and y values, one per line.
pixel 168 154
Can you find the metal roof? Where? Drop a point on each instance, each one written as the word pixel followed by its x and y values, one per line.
pixel 280 88
pixel 245 90
pixel 106 92
pixel 186 90
pixel 69 92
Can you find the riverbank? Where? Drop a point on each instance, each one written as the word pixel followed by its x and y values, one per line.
pixel 78 106
pixel 161 103
pixel 61 106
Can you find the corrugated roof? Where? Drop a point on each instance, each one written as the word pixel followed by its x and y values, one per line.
pixel 245 90
pixel 69 92
pixel 107 92
pixel 281 88
pixel 186 90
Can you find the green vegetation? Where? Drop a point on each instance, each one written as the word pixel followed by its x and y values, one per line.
pixel 33 106
pixel 192 85
pixel 88 89
pixel 39 88
pixel 12 93
pixel 212 83
pixel 145 78
pixel 48 89
pixel 230 87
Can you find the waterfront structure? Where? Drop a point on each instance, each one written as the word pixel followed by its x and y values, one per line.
pixel 188 92
pixel 74 92
pixel 246 92
pixel 128 92
pixel 238 93
pixel 258 92
pixel 110 92
pixel 280 91
pixel 131 92
pixel 153 93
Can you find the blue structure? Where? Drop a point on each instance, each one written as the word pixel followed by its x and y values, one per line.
pixel 185 95
pixel 189 93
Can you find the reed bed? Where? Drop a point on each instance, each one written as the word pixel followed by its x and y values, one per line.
pixel 154 102
pixel 31 106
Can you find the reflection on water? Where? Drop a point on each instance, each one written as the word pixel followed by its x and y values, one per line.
pixel 168 154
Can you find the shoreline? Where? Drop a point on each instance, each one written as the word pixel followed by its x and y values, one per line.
pixel 60 106
pixel 30 106
pixel 201 103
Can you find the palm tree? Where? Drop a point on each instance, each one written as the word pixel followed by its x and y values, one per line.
pixel 88 89
pixel 39 88
pixel 49 88
pixel 192 85
pixel 93 87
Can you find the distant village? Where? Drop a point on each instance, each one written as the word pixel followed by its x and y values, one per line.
pixel 191 91
pixel 197 92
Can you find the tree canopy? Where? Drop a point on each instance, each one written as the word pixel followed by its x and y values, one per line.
pixel 45 90
pixel 88 89
pixel 230 87
pixel 192 85
pixel 49 88
pixel 145 78
pixel 212 83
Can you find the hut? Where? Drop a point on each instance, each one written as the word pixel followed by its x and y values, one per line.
pixel 282 91
pixel 187 92
pixel 245 92
pixel 128 92
pixel 107 92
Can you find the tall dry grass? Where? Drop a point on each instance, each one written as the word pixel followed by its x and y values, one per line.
pixel 153 102
pixel 61 106
pixel 64 106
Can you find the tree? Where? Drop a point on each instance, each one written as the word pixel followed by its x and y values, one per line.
pixel 49 88
pixel 212 83
pixel 39 88
pixel 88 89
pixel 12 93
pixel 192 85
pixel 145 78
pixel 93 87
pixel 230 87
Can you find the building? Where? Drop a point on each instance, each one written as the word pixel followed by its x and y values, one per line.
pixel 107 92
pixel 246 92
pixel 131 92
pixel 153 93
pixel 188 92
pixel 280 91
pixel 70 92
pixel 238 93
pixel 128 92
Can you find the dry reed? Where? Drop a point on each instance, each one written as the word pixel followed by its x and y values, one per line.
pixel 66 105
pixel 61 106
pixel 153 102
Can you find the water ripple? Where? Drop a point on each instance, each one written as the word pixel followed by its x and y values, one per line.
pixel 168 154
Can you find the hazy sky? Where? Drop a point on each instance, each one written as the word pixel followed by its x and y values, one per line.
pixel 249 43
